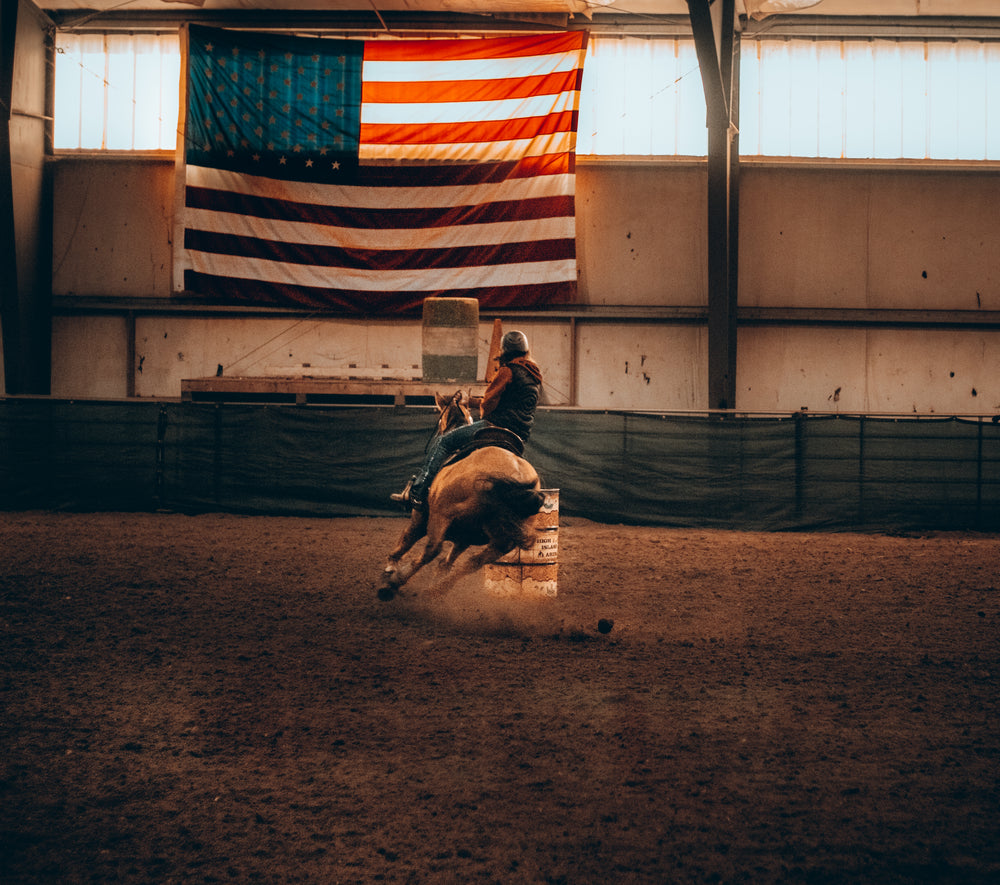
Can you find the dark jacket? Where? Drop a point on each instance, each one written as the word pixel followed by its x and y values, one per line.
pixel 512 396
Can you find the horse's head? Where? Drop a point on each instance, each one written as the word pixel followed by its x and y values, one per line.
pixel 453 412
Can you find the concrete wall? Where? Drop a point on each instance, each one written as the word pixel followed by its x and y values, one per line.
pixel 870 239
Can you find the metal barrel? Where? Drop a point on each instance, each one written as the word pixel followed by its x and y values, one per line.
pixel 535 571
pixel 450 332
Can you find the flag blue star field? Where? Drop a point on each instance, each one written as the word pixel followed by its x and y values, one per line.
pixel 365 176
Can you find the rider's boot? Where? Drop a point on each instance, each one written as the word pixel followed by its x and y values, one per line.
pixel 407 496
pixel 403 497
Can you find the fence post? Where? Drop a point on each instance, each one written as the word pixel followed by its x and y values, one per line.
pixel 800 467
pixel 161 456
pixel 862 514
pixel 979 474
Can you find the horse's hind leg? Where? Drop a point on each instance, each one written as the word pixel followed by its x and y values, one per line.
pixel 453 554
pixel 490 553
pixel 407 570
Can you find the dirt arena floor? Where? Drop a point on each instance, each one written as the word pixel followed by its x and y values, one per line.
pixel 223 699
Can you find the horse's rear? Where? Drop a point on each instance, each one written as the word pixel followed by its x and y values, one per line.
pixel 486 499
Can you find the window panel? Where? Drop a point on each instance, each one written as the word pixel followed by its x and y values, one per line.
pixel 692 136
pixel 149 75
pixel 913 100
pixel 970 104
pixel 750 97
pixel 887 107
pixel 830 100
pixel 942 81
pixel 859 100
pixel 991 60
pixel 663 103
pixel 92 110
pixel 120 95
pixel 775 96
pixel 803 98
pixel 67 103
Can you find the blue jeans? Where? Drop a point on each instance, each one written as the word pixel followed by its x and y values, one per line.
pixel 441 449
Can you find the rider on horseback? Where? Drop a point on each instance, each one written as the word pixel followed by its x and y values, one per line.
pixel 509 402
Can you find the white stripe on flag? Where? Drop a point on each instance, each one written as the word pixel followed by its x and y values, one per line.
pixel 434 280
pixel 563 228
pixel 437 197
pixel 510 110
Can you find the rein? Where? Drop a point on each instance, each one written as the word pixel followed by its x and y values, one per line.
pixel 454 404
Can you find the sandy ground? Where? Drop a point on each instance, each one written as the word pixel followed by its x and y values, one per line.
pixel 223 699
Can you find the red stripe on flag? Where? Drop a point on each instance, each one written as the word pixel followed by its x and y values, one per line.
pixel 469 90
pixel 479 132
pixel 362 259
pixel 461 50
pixel 227 290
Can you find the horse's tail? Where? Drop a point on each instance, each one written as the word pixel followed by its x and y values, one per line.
pixel 521 499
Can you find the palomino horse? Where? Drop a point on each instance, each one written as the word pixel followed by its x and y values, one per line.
pixel 486 498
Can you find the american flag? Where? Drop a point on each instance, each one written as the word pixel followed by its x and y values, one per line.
pixel 369 175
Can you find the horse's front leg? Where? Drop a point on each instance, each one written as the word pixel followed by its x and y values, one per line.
pixel 397 575
pixel 393 577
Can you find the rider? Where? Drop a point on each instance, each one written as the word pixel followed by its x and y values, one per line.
pixel 509 401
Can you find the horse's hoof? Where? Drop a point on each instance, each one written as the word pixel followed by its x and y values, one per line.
pixel 386 593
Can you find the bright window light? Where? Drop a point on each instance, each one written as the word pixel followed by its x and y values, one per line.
pixel 116 91
pixel 865 99
pixel 641 96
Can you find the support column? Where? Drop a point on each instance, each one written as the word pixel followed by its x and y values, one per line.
pixel 714 27
pixel 10 315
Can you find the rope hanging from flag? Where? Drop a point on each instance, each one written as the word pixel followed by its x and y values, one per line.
pixel 365 176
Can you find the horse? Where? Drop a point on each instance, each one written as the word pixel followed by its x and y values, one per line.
pixel 484 498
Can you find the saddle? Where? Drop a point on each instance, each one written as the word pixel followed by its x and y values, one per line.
pixel 498 437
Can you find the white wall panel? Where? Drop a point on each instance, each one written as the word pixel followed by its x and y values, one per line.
pixel 803 239
pixel 170 349
pixel 933 245
pixel 112 228
pixel 857 370
pixel 89 357
pixel 641 234
pixel 920 370
pixel 786 369
pixel 633 366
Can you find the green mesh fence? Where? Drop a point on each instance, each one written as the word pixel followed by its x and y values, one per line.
pixel 795 472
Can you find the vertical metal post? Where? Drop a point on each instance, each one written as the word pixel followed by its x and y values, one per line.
pixel 10 309
pixel 800 466
pixel 979 475
pixel 862 509
pixel 718 59
pixel 161 456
